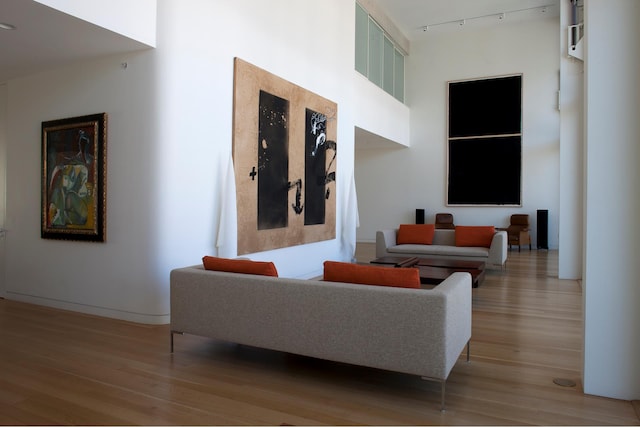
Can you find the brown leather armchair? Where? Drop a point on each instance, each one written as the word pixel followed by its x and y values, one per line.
pixel 444 220
pixel 518 231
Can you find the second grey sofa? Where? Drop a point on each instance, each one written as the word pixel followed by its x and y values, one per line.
pixel 444 246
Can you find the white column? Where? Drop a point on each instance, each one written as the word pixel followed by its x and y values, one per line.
pixel 570 103
pixel 612 199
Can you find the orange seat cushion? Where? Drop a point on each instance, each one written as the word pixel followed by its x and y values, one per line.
pixel 469 235
pixel 421 234
pixel 246 266
pixel 371 275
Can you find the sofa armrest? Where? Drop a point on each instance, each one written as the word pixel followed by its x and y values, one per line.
pixel 384 239
pixel 498 249
pixel 458 295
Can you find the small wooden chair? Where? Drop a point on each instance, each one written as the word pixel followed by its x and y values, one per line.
pixel 444 220
pixel 518 231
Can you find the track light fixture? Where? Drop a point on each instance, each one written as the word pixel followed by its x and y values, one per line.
pixel 500 16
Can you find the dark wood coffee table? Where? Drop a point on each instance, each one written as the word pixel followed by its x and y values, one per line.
pixel 434 270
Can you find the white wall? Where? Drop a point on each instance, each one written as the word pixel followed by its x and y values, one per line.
pixel 611 268
pixel 415 177
pixel 571 157
pixel 118 278
pixel 380 113
pixel 169 140
pixel 287 38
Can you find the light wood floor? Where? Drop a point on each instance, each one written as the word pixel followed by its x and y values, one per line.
pixel 59 367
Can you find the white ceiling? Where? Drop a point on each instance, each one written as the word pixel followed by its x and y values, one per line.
pixel 45 38
pixel 411 16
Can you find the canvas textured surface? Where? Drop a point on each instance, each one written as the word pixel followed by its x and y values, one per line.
pixel 254 159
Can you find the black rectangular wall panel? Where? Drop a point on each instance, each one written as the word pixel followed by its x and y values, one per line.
pixel 485 141
pixel 543 229
pixel 273 161
pixel 485 107
pixel 315 167
pixel 484 171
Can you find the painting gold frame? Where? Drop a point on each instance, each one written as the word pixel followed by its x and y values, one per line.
pixel 74 177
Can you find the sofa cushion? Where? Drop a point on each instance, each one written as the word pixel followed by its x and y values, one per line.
pixel 246 266
pixel 421 234
pixel 468 235
pixel 335 271
pixel 443 236
pixel 440 251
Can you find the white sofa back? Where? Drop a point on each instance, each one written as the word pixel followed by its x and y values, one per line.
pixel 444 237
pixel 414 331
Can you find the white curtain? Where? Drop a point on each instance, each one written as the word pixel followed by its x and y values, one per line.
pixel 227 242
pixel 350 222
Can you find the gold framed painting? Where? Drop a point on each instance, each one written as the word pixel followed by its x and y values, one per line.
pixel 74 176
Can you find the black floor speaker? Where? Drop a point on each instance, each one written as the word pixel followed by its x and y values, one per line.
pixel 543 229
pixel 419 216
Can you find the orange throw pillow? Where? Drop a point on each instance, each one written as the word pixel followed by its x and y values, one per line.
pixel 421 234
pixel 468 235
pixel 371 275
pixel 246 266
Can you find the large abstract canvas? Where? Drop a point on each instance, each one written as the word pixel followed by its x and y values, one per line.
pixel 284 154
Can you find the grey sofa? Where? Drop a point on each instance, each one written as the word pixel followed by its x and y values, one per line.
pixel 414 331
pixel 444 246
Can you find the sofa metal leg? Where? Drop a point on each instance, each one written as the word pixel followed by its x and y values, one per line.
pixel 171 333
pixel 442 391
pixel 443 383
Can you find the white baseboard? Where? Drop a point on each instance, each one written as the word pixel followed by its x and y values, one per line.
pixel 148 319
